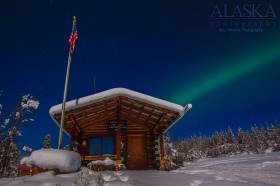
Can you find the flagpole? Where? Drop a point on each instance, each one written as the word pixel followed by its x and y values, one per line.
pixel 65 91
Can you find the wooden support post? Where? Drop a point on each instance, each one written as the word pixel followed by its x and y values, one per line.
pixel 161 142
pixel 149 150
pixel 118 132
pixel 118 143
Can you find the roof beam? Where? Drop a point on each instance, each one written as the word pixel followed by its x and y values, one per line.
pixel 158 123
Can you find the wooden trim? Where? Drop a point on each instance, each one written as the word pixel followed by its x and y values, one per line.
pixel 94 158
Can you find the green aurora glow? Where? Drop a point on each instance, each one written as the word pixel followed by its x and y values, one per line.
pixel 234 70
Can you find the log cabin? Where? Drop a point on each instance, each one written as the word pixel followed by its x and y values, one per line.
pixel 121 124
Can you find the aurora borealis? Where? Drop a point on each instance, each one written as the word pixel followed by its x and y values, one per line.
pixel 240 93
pixel 235 69
pixel 165 49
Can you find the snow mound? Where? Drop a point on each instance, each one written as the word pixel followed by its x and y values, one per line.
pixel 107 161
pixel 269 150
pixel 51 159
pixel 25 160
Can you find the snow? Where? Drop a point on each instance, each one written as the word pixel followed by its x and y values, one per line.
pixel 24 160
pixel 257 170
pixel 269 150
pixel 196 182
pixel 52 159
pixel 27 102
pixel 73 104
pixel 6 122
pixel 107 162
pixel 26 148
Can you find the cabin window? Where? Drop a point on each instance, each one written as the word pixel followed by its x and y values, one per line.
pixel 101 145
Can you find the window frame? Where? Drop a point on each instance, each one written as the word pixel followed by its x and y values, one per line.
pixel 102 136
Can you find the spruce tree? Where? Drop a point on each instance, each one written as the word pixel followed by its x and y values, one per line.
pixel 47 142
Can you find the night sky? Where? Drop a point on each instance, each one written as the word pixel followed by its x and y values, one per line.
pixel 167 49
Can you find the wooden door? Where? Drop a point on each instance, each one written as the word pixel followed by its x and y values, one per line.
pixel 136 152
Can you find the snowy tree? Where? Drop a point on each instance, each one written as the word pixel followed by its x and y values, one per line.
pixel 9 157
pixel 27 149
pixel 244 140
pixel 258 140
pixel 10 128
pixel 275 136
pixel 47 142
pixel 170 153
pixel 230 136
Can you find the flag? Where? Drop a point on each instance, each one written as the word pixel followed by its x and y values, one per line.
pixel 72 40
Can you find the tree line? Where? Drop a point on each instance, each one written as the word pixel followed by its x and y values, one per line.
pixel 255 140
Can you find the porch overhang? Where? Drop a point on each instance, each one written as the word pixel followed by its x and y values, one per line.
pixel 86 116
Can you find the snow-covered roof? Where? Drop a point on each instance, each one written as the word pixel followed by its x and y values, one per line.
pixel 123 92
pixel 76 103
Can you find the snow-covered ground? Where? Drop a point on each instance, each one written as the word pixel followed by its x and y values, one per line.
pixel 261 169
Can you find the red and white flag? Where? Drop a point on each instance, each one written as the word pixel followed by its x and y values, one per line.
pixel 72 40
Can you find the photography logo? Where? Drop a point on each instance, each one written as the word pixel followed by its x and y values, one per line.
pixel 243 17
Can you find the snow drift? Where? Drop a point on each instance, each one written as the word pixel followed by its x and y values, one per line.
pixel 52 159
pixel 107 161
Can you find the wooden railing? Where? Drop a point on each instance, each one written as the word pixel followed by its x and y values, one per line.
pixel 98 157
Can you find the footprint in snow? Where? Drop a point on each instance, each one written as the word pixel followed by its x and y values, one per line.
pixel 196 182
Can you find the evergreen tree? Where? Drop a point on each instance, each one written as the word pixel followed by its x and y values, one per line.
pixel 230 136
pixel 47 142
